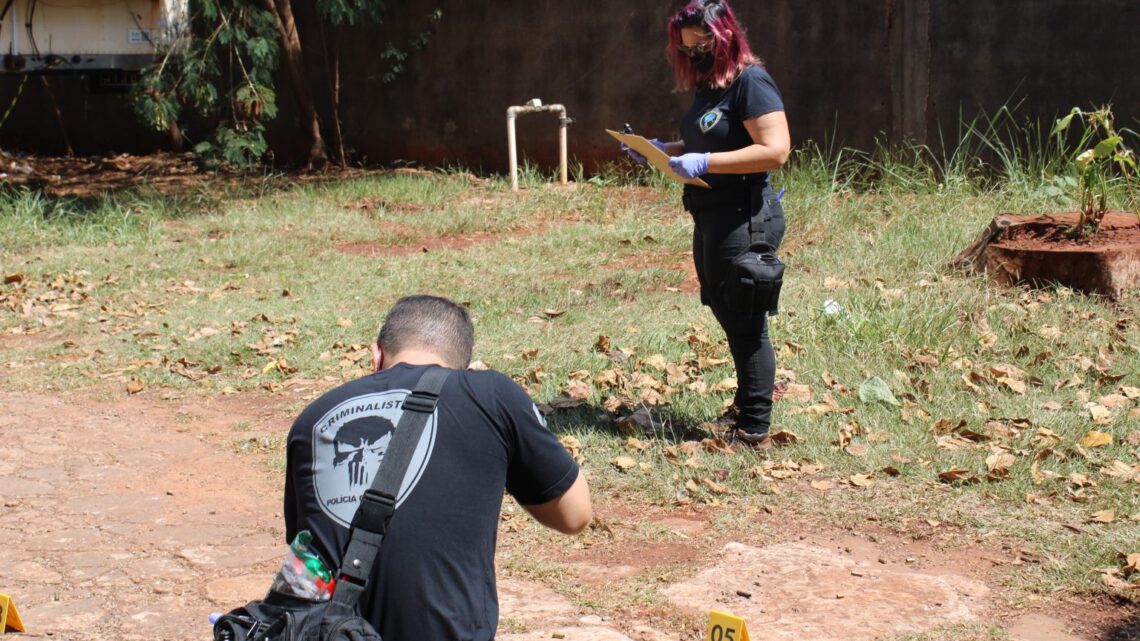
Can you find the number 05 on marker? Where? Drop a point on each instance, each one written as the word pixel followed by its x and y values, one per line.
pixel 726 627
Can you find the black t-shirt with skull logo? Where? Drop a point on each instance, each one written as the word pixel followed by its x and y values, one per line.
pixel 435 577
pixel 715 121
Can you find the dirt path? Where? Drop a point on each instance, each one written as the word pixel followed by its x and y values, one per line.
pixel 135 518
pixel 121 520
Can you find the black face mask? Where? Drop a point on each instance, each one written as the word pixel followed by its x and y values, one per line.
pixel 703 62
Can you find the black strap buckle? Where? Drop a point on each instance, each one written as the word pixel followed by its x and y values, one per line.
pixel 420 402
pixel 375 508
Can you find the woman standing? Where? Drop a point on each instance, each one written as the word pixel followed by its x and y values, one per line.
pixel 734 133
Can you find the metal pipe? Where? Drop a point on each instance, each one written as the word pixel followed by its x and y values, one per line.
pixel 15 44
pixel 512 153
pixel 562 151
pixel 535 106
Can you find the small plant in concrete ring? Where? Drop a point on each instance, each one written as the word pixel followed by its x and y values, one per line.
pixel 1100 149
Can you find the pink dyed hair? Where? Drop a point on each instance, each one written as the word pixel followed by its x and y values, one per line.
pixel 730 46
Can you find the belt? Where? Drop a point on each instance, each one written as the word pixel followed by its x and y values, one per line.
pixel 710 199
pixel 698 200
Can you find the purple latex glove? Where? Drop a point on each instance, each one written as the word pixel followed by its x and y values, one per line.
pixel 638 158
pixel 689 166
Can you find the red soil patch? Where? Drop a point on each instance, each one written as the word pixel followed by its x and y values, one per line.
pixel 1038 250
pixel 429 244
pixel 659 259
pixel 166 173
pixel 373 204
pixel 1118 231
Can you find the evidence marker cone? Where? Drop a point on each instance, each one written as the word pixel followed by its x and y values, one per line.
pixel 9 616
pixel 726 627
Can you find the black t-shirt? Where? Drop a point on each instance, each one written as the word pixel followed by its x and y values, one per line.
pixel 715 121
pixel 435 576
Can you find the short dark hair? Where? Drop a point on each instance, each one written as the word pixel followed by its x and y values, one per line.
pixel 430 323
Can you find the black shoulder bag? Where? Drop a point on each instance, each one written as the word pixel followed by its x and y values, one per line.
pixel 282 617
pixel 754 278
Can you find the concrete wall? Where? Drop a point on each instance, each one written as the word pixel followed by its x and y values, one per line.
pixel 1046 55
pixel 606 64
pixel 851 71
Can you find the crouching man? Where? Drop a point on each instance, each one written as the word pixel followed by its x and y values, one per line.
pixel 435 575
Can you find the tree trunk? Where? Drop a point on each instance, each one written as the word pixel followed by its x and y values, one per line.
pixel 58 116
pixel 293 60
pixel 175 136
pixel 336 105
pixel 332 64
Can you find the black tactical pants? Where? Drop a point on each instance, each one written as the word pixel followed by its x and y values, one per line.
pixel 722 233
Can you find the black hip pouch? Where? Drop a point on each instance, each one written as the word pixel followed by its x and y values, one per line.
pixel 754 280
pixel 755 277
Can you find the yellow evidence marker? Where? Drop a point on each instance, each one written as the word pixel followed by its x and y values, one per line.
pixel 9 617
pixel 726 627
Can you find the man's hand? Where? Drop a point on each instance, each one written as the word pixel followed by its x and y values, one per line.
pixel 689 166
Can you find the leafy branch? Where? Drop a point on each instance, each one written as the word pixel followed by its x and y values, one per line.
pixel 224 67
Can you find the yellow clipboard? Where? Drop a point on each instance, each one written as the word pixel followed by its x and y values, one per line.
pixel 655 157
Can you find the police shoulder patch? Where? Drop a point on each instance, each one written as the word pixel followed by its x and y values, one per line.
pixel 709 120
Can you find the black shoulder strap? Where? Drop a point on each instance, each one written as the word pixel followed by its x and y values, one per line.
pixel 370 523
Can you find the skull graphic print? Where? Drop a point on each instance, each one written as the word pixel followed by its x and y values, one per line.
pixel 349 443
pixel 360 446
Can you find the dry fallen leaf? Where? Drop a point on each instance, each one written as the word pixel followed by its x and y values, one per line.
pixel 623 463
pixel 1122 471
pixel 1080 480
pixel 957 475
pixel 727 385
pixel 861 480
pixel 1008 371
pixel 612 404
pixel 1103 516
pixel 603 344
pixel 1131 562
pixel 1013 384
pixel 578 390
pixel 135 385
pixel 1114 401
pixel 798 392
pixel 784 437
pixel 1094 438
pixel 1110 579
pixel 638 423
pixel 714 487
pixel 574 447
pixel 1100 414
pixel 822 485
pixel 999 464
pixel 1046 438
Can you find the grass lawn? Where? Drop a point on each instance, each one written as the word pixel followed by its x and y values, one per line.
pixel 923 399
